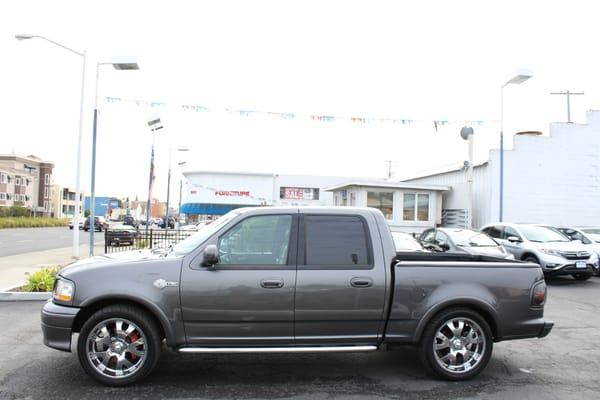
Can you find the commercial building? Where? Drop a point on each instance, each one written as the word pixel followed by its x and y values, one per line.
pixel 552 179
pixel 214 193
pixel 103 205
pixel 63 202
pixel 26 181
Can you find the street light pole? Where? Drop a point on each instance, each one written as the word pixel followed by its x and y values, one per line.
pixel 517 78
pixel 122 63
pixel 169 183
pixel 77 211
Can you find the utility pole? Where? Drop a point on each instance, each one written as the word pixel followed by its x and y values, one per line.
pixel 389 164
pixel 568 93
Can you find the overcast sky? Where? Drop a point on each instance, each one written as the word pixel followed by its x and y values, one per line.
pixel 422 60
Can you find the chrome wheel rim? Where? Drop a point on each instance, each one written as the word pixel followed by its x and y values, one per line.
pixel 116 348
pixel 459 345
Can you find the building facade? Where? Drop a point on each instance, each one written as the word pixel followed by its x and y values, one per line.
pixel 213 193
pixel 26 181
pixel 63 202
pixel 552 179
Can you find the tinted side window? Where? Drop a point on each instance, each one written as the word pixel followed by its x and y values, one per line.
pixel 260 240
pixel 441 238
pixel 494 231
pixel 336 240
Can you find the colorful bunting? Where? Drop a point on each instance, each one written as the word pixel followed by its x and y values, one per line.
pixel 437 124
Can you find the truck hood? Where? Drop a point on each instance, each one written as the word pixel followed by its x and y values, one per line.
pixel 121 259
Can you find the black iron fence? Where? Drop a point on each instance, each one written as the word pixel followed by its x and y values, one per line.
pixel 116 240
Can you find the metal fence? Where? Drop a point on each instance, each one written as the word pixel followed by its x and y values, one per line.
pixel 116 240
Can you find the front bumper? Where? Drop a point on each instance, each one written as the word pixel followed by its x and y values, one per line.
pixel 555 266
pixel 57 324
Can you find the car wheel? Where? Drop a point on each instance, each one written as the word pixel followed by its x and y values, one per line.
pixel 531 259
pixel 456 344
pixel 119 345
pixel 582 277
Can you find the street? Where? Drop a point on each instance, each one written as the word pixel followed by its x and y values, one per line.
pixel 563 365
pixel 26 240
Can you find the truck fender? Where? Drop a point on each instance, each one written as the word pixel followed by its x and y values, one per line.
pixel 479 305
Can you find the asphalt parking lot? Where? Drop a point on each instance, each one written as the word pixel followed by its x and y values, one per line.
pixel 564 365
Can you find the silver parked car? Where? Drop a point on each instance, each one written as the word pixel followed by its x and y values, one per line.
pixel 546 246
pixel 406 242
pixel 590 237
pixel 468 241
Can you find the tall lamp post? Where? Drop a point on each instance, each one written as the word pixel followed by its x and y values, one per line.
pixel 121 64
pixel 518 77
pixel 181 165
pixel 467 134
pixel 169 183
pixel 77 211
pixel 155 124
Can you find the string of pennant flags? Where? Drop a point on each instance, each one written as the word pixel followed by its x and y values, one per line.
pixel 437 123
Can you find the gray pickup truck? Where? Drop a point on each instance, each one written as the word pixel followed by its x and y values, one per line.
pixel 271 280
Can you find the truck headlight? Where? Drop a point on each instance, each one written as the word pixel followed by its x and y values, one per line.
pixel 63 291
pixel 551 252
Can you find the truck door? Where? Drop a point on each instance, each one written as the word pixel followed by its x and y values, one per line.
pixel 340 286
pixel 247 298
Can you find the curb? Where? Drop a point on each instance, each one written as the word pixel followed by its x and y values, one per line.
pixel 8 295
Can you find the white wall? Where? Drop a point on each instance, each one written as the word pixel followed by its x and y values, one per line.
pixel 307 181
pixel 551 179
pixel 229 188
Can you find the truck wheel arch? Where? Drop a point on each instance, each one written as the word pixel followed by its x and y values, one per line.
pixel 484 309
pixel 89 307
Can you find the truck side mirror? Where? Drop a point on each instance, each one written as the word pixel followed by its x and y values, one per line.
pixel 210 256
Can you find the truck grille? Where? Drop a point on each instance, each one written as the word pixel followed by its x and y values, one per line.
pixel 576 255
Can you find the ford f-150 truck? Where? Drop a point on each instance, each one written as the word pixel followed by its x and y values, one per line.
pixel 268 280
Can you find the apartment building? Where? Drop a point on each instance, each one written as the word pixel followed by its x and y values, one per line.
pixel 26 181
pixel 63 202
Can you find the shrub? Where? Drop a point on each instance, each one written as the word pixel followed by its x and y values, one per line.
pixel 31 222
pixel 140 244
pixel 42 280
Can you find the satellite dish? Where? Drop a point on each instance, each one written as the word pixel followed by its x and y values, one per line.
pixel 465 132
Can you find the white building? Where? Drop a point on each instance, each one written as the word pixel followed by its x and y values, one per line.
pixel 551 179
pixel 408 207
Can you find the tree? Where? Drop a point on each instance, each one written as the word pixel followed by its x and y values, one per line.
pixel 86 213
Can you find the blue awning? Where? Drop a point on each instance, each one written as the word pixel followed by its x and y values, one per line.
pixel 209 209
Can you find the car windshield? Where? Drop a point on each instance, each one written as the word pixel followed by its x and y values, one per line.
pixel 189 244
pixel 405 242
pixel 543 234
pixel 468 238
pixel 593 234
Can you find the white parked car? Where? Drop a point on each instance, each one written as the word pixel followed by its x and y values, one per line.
pixel 590 237
pixel 72 221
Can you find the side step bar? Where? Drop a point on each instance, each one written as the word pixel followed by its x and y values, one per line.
pixel 304 349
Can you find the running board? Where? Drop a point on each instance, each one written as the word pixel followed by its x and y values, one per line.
pixel 304 349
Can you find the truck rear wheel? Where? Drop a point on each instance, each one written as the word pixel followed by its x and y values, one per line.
pixel 456 344
pixel 119 345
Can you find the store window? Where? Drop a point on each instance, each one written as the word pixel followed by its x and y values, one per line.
pixel 383 201
pixel 416 207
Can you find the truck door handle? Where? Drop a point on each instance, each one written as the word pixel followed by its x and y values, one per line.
pixel 361 282
pixel 271 283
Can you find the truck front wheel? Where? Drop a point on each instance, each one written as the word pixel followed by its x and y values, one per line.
pixel 456 344
pixel 119 345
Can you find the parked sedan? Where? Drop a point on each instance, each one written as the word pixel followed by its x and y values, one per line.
pixel 591 239
pixel 406 242
pixel 72 221
pixel 456 240
pixel 546 246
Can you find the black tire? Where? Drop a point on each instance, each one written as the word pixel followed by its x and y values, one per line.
pixel 531 259
pixel 582 277
pixel 152 344
pixel 428 356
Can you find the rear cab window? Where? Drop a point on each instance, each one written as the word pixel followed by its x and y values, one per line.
pixel 335 241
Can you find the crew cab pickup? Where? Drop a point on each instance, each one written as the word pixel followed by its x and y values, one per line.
pixel 270 280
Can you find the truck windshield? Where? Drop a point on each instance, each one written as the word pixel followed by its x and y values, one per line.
pixel 467 238
pixel 189 244
pixel 543 234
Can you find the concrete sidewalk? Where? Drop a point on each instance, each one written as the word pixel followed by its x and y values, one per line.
pixel 13 268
